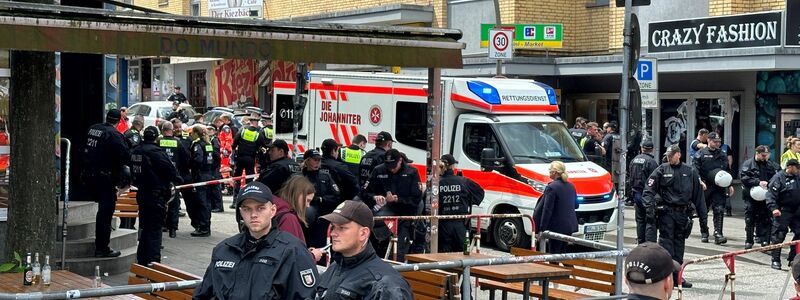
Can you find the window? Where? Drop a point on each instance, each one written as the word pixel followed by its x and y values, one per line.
pixel 539 142
pixel 478 136
pixel 411 124
pixel 195 9
pixel 597 3
pixel 135 110
pixel 285 114
pixel 163 2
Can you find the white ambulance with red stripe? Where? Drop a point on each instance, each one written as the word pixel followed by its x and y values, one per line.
pixel 514 117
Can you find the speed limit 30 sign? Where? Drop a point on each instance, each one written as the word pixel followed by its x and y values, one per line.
pixel 501 44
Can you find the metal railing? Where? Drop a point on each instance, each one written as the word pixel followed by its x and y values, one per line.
pixel 465 264
pixel 65 213
pixel 476 239
pixel 548 235
pixel 106 291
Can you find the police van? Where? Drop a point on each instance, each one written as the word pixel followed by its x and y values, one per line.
pixel 514 118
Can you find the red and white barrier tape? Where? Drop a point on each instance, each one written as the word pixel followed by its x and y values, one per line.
pixel 215 182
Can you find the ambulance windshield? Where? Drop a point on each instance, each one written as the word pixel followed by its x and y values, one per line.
pixel 539 142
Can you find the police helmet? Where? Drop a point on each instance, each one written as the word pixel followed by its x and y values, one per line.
pixel 758 193
pixel 722 178
pixel 125 177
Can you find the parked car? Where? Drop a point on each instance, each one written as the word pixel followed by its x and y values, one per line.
pixel 155 112
pixel 209 116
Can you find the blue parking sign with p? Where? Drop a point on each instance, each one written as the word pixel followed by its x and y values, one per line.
pixel 644 70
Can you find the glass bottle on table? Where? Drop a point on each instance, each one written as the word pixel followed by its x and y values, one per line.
pixel 27 275
pixel 97 282
pixel 466 243
pixel 46 271
pixel 37 270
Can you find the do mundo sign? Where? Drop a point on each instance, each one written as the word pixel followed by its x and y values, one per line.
pixel 215 47
pixel 750 30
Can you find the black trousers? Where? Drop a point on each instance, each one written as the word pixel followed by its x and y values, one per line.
pixel 673 227
pixel 715 201
pixel 644 232
pixel 199 209
pixel 789 219
pixel 104 192
pixel 215 193
pixel 152 213
pixel 451 235
pixel 757 220
pixel 317 231
pixel 405 231
pixel 244 164
pixel 173 207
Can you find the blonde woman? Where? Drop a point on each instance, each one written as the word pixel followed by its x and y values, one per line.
pixel 555 210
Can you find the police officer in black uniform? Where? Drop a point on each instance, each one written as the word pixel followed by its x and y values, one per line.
pixel 347 181
pixel 280 166
pixel 708 161
pixel 678 188
pixel 153 174
pixel 179 155
pixel 246 145
pixel 177 113
pixel 215 191
pixel 262 262
pixel 104 155
pixel 373 158
pixel 393 189
pixel 133 136
pixel 783 200
pixel 641 167
pixel 202 153
pixel 578 131
pixel 755 172
pixel 182 134
pixel 356 272
pixel 457 195
pixel 325 200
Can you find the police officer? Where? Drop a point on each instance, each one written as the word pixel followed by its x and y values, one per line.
pixel 641 167
pixel 181 132
pixel 393 189
pixel 708 161
pixel 457 195
pixel 325 199
pixel 373 158
pixel 266 127
pixel 133 136
pixel 783 200
pixel 262 262
pixel 757 172
pixel 678 187
pixel 179 155
pixel 104 155
pixel 202 166
pixel 347 181
pixel 215 191
pixel 351 155
pixel 578 131
pixel 356 272
pixel 245 147
pixel 280 166
pixel 177 113
pixel 153 173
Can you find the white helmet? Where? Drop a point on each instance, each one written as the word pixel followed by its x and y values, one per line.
pixel 758 193
pixel 723 178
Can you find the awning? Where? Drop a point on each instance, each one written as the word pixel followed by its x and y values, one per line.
pixel 39 27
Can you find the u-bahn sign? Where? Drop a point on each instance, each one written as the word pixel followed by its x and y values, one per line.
pixel 739 31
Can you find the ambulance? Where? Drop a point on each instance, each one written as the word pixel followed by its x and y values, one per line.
pixel 513 118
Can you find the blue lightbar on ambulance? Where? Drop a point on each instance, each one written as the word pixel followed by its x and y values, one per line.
pixel 484 91
pixel 551 93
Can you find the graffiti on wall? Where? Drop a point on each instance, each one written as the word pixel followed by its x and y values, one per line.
pixel 279 70
pixel 233 83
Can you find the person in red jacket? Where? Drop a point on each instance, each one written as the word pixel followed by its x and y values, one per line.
pixel 122 127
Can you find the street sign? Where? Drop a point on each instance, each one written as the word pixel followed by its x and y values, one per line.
pixel 647 77
pixel 501 45
pixel 527 36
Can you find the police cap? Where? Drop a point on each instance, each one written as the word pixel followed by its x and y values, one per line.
pixel 280 144
pixel 449 159
pixel 649 263
pixel 150 134
pixel 113 114
pixel 256 191
pixel 329 145
pixel 351 211
pixel 311 153
pixel 792 162
pixel 647 144
pixel 392 156
pixel 383 136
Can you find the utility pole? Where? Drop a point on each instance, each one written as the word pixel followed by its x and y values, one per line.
pixel 624 99
pixel 497 25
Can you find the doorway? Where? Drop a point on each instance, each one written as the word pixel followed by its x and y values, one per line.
pixel 789 126
pixel 197 87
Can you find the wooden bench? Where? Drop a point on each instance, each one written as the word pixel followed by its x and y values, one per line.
pixel 586 274
pixel 431 284
pixel 127 210
pixel 157 272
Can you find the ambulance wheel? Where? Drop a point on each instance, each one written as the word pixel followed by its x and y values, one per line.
pixel 509 233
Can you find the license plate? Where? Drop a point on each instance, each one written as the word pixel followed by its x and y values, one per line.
pixel 594 228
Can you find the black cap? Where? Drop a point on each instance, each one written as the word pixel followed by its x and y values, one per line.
pixel 114 114
pixel 281 144
pixel 649 263
pixel 671 150
pixel 647 144
pixel 392 156
pixel 449 159
pixel 312 153
pixel 714 136
pixel 150 134
pixel 792 162
pixel 383 136
pixel 329 145
pixel 349 210
pixel 256 191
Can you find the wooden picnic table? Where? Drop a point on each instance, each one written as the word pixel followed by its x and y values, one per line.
pixel 524 272
pixel 60 281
